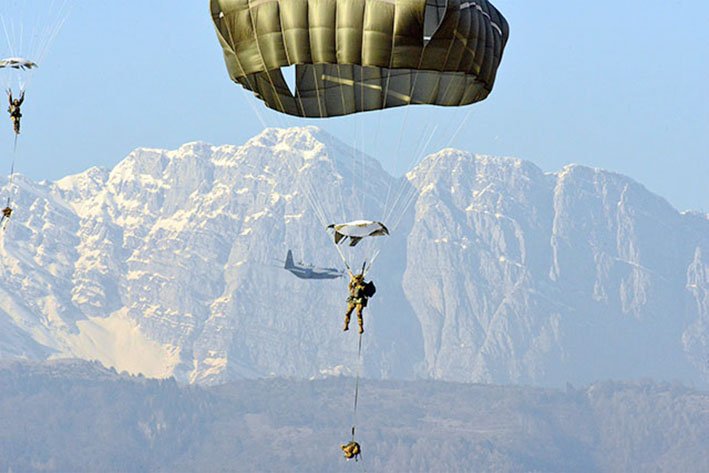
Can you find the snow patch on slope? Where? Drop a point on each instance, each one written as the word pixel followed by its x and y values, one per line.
pixel 117 341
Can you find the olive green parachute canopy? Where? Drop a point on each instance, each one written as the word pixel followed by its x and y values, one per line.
pixel 357 55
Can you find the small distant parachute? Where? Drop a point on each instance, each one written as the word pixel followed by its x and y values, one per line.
pixel 351 56
pixel 28 29
pixel 357 230
pixel 17 63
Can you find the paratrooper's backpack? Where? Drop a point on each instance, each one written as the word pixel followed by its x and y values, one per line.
pixel 369 289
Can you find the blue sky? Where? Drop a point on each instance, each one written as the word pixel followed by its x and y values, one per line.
pixel 620 85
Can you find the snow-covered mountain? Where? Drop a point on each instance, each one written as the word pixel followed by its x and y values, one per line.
pixel 498 272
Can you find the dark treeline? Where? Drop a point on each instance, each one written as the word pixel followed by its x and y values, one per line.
pixel 74 416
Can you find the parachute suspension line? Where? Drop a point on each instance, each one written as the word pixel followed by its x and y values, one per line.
pixel 10 40
pixel 31 31
pixel 412 163
pixel 384 99
pixel 332 166
pixel 363 169
pixel 308 192
pixel 338 193
pixel 321 216
pixel 460 127
pixel 313 201
pixel 10 43
pixel 366 269
pixel 404 192
pixel 385 210
pixel 247 97
pixel 53 29
pixel 375 141
pixel 357 191
pixel 412 192
pixel 318 210
pixel 424 140
pixel 39 31
pixel 360 119
pixel 359 139
pixel 401 131
pixel 408 200
pixel 445 93
pixel 21 35
pixel 357 185
pixel 389 211
pixel 46 35
pixel 344 259
pixel 281 108
pixel 306 187
pixel 319 213
pixel 393 209
pixel 341 208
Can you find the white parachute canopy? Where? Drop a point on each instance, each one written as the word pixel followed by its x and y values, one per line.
pixel 356 230
pixel 27 30
pixel 17 63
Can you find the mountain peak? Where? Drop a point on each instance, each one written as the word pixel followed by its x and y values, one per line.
pixel 172 265
pixel 451 162
pixel 83 185
pixel 302 138
pixel 195 148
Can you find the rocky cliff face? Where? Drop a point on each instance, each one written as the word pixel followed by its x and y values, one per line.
pixel 168 265
pixel 580 273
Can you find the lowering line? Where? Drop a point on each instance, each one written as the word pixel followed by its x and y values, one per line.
pixel 356 399
pixel 5 218
pixel 356 393
pixel 12 168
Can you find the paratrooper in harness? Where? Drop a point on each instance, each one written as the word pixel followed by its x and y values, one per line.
pixel 14 109
pixel 359 293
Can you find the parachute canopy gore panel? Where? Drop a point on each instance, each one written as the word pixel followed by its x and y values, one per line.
pixel 359 55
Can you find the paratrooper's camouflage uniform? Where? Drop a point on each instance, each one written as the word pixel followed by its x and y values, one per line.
pixel 356 300
pixel 14 110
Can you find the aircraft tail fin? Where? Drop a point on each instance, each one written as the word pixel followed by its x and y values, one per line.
pixel 289 261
